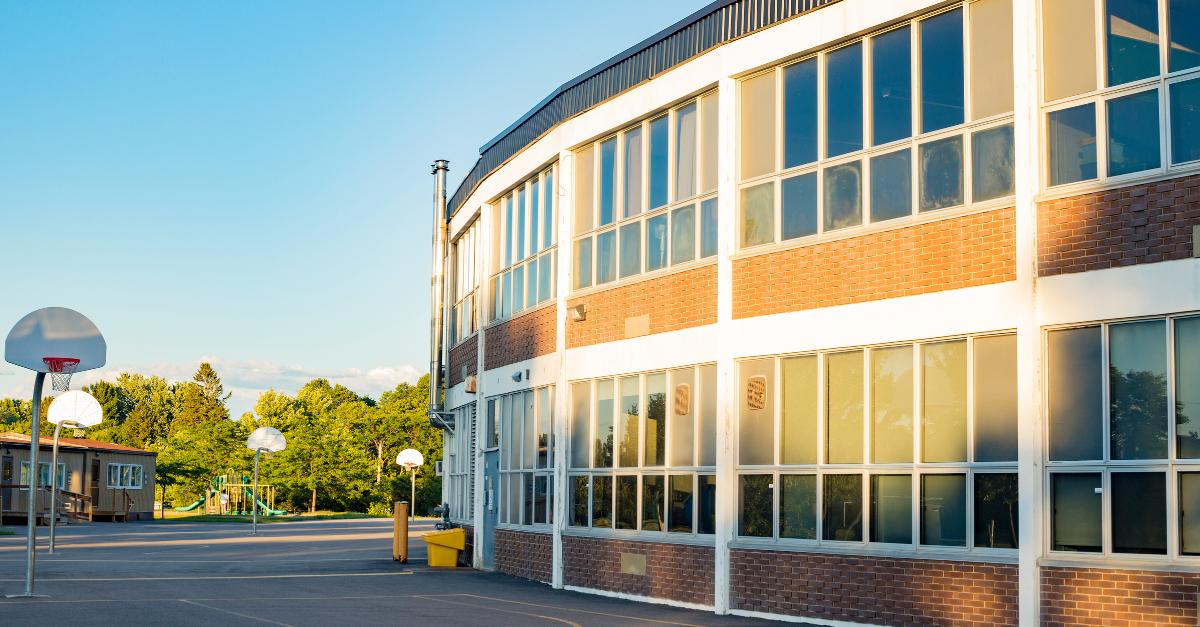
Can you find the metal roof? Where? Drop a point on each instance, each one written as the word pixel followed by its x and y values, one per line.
pixel 716 24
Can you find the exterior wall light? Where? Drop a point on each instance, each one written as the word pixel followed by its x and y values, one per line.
pixel 578 313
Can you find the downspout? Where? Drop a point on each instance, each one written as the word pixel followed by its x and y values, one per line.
pixel 437 417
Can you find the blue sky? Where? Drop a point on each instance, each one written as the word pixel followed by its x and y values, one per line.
pixel 248 183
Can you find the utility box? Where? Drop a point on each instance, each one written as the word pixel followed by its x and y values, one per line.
pixel 444 546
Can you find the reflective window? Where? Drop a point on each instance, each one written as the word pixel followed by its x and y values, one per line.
pixel 993 169
pixel 844 408
pixel 798 506
pixel 892 405
pixel 1139 512
pixel 655 402
pixel 1138 413
pixel 683 234
pixel 656 243
pixel 659 139
pixel 891 509
pixel 843 101
pixel 1071 141
pixel 942 78
pixel 891 86
pixel 799 206
pixel 758 215
pixel 1185 121
pixel 1133 133
pixel 755 505
pixel 944 401
pixel 891 185
pixel 1184 24
pixel 608 180
pixel 627 500
pixel 1131 29
pixel 800 379
pixel 995 398
pixel 995 512
pixel 756 422
pixel 940 168
pixel 843 196
pixel 685 152
pixel 654 513
pixel 842 508
pixel 800 113
pixel 708 228
pixel 1187 390
pixel 629 424
pixel 681 504
pixel 944 510
pixel 1076 405
pixel 606 253
pixel 1076 506
pixel 633 172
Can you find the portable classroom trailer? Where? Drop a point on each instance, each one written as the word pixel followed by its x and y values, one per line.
pixel 97 480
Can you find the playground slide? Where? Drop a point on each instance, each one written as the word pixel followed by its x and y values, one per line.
pixel 198 503
pixel 263 507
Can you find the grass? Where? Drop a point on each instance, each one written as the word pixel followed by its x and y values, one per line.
pixel 6 532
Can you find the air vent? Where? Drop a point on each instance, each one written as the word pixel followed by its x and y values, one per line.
pixel 683 399
pixel 756 392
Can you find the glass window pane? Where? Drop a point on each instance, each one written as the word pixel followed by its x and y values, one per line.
pixel 1184 26
pixel 708 142
pixel 758 126
pixel 844 408
pixel 545 278
pixel 584 189
pixel 758 215
pixel 844 101
pixel 507 304
pixel 891 185
pixel 1133 133
pixel 708 504
pixel 527 518
pixel 798 507
pixel 799 205
pixel 756 418
pixel 608 180
pixel 508 231
pixel 653 504
pixel 944 510
pixel 1077 504
pixel 509 458
pixel 842 505
pixel 515 488
pixel 681 504
pixel 1072 144
pixel 581 424
pixel 1189 513
pixel 539 500
pixel 800 113
pixel 629 426
pixel 1185 121
pixel 1132 31
pixel 1068 48
pixel 633 172
pixel 545 428
pixel 606 257
pixel 656 419
pixel 602 499
pixel 548 225
pixel 942 79
pixel 992 30
pixel 993 155
pixel 892 405
pixel 683 234
pixel 1076 401
pixel 603 438
pixel 755 505
pixel 660 131
pixel 995 398
pixel 534 216
pixel 891 86
pixel 1137 379
pixel 579 501
pixel 530 439
pixel 944 402
pixel 631 249
pixel 941 171
pixel 656 243
pixel 708 416
pixel 583 263
pixel 843 196
pixel 708 228
pixel 801 406
pixel 996 510
pixel 532 292
pixel 518 289
pixel 683 416
pixel 891 508
pixel 520 226
pixel 493 423
pixel 1139 512
pixel 1187 389
pixel 627 499
pixel 685 152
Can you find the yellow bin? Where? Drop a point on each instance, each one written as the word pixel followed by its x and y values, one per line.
pixel 444 546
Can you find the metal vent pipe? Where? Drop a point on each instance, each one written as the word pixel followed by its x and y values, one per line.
pixel 437 304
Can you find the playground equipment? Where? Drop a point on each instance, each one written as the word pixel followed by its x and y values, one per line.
pixel 237 490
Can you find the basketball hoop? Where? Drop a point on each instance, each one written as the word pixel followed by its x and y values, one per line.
pixel 61 369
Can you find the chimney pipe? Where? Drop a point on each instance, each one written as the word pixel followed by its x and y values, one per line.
pixel 436 383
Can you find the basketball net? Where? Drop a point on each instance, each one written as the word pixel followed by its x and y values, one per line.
pixel 61 369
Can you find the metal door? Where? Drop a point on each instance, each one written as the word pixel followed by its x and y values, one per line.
pixel 6 472
pixel 94 488
pixel 491 508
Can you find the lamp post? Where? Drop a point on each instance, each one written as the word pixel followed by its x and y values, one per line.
pixel 411 459
pixel 262 439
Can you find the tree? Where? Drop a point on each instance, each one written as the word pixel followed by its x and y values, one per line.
pixel 172 473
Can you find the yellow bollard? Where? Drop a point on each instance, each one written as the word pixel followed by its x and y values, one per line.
pixel 400 532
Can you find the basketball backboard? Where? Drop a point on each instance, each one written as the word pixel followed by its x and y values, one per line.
pixel 55 332
pixel 75 408
pixel 268 439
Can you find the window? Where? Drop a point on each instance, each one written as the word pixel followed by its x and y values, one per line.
pixel 1122 445
pixel 880 130
pixel 523 228
pixel 663 213
pixel 1110 124
pixel 463 321
pixel 643 448
pixel 527 451
pixel 460 464
pixel 44 475
pixel 119 475
pixel 909 444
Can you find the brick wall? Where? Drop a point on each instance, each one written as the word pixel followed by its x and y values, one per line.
pixel 1118 227
pixel 524 554
pixel 1094 596
pixel 673 571
pixel 673 302
pixel 881 591
pixel 965 251
pixel 465 354
pixel 531 335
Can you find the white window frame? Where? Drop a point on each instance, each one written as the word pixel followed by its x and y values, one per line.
pixel 62 474
pixel 141 476
pixel 535 251
pixel 511 459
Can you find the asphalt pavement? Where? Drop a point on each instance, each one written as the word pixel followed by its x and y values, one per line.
pixel 294 574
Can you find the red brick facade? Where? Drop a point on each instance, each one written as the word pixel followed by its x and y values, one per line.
pixel 1132 598
pixel 874 590
pixel 465 354
pixel 964 251
pixel 678 572
pixel 1119 227
pixel 673 302
pixel 525 337
pixel 524 554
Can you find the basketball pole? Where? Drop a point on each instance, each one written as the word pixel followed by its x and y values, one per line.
pixel 254 499
pixel 31 518
pixel 54 484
